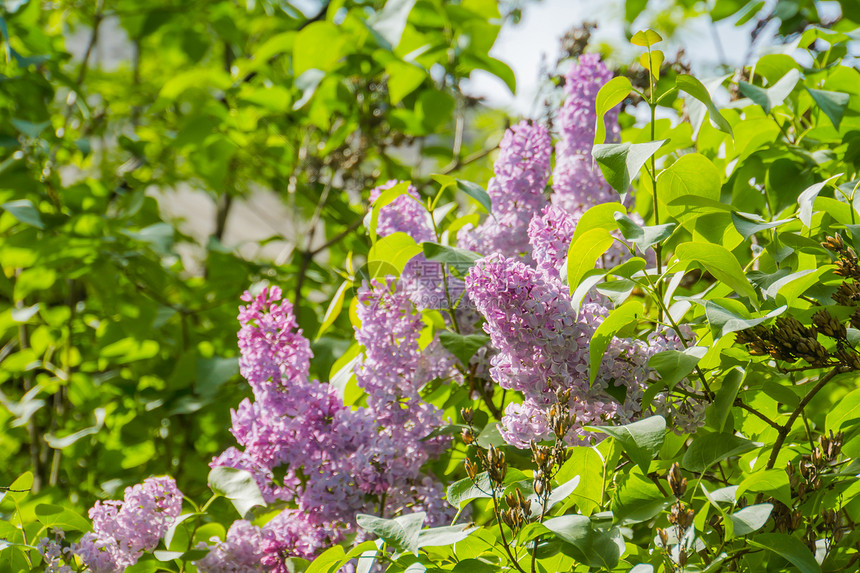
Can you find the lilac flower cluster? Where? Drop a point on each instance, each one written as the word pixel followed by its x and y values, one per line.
pixel 541 341
pixel 336 461
pixel 578 114
pixel 403 215
pixel 122 530
pixel 542 344
pixel 576 181
pixel 517 192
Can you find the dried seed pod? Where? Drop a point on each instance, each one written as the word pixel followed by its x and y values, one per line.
pixel 468 436
pixel 677 482
pixel 471 470
pixel 497 466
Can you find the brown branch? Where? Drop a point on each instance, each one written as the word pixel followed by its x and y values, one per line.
pixel 786 428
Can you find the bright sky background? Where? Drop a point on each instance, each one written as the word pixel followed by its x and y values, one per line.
pixel 536 38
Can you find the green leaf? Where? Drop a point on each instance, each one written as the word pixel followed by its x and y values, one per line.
pixel 646 38
pixel 20 488
pixel 693 176
pixel 573 529
pixel 29 128
pixel 496 67
pixel 789 549
pixel 462 346
pixel 403 79
pixel 695 88
pixel 558 495
pixel 307 83
pixel 675 365
pixel 601 216
pixel 473 190
pixel 593 277
pixel 334 308
pixel 474 566
pixel 833 104
pixel 621 162
pixel 239 486
pixel 750 519
pixel 723 320
pixel 390 254
pixel 641 440
pixel 318 46
pixel 643 237
pixel 584 252
pixel 25 212
pixel 462 492
pixel 159 235
pixel 610 95
pixel 806 200
pixel 845 413
pixel 57 516
pixel 652 61
pixel 449 255
pixel 709 449
pixel 718 413
pixel 617 291
pixel 636 498
pixel 773 96
pixel 718 261
pixel 586 464
pixel 402 532
pixel 439 536
pixel 477 193
pixel 628 312
pixel 491 436
pixel 772 482
pixel 327 561
pixel 748 224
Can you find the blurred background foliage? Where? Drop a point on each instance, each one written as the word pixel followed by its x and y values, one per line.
pixel 158 158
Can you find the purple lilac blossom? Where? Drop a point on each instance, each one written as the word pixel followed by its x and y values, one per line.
pixel 543 347
pixel 54 554
pixel 240 552
pixel 403 215
pixel 578 115
pixel 517 192
pixel 578 185
pixel 550 234
pixel 342 454
pixel 123 530
pixel 577 182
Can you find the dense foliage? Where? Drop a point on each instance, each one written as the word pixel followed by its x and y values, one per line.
pixel 633 348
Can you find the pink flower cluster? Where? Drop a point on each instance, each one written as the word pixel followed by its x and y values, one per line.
pixel 541 343
pixel 335 461
pixel 124 530
pixel 576 181
pixel 517 192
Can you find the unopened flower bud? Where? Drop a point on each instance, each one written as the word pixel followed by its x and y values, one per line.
pixel 467 415
pixel 677 482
